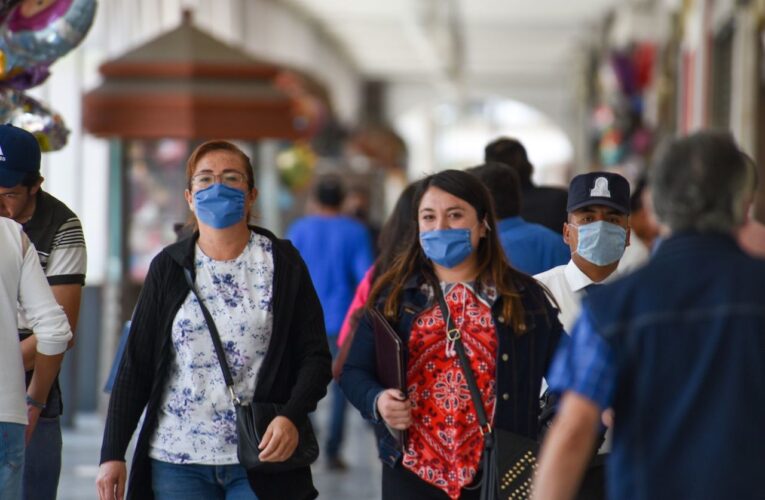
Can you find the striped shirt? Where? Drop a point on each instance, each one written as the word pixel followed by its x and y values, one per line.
pixel 57 235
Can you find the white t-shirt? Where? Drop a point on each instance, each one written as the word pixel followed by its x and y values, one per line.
pixel 23 285
pixel 567 283
pixel 197 420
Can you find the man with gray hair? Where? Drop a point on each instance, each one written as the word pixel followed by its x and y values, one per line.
pixel 677 348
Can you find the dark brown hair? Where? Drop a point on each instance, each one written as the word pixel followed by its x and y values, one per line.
pixel 512 153
pixel 395 232
pixel 493 268
pixel 504 185
pixel 217 145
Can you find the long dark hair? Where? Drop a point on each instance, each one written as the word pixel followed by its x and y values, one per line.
pixel 395 233
pixel 493 268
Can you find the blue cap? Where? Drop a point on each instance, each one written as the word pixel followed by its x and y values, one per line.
pixel 599 188
pixel 19 155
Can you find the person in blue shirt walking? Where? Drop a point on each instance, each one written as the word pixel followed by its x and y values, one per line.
pixel 531 248
pixel 676 348
pixel 338 251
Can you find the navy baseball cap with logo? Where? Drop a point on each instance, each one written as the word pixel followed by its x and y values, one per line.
pixel 599 188
pixel 19 155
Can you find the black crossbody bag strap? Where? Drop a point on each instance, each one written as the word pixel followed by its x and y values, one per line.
pixel 215 338
pixel 453 334
pixel 488 480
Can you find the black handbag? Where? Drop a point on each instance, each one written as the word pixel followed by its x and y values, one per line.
pixel 509 459
pixel 252 420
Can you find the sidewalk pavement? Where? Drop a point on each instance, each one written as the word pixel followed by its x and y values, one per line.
pixel 361 481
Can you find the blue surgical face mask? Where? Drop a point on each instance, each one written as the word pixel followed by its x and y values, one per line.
pixel 219 206
pixel 447 247
pixel 601 242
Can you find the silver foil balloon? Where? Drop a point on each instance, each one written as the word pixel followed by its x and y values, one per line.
pixel 30 114
pixel 38 40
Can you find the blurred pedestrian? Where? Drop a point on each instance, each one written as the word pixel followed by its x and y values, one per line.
pixel 644 229
pixel 22 283
pixel 391 242
pixel 531 248
pixel 677 348
pixel 541 204
pixel 504 318
pixel 56 233
pixel 357 204
pixel 751 236
pixel 259 294
pixel 338 251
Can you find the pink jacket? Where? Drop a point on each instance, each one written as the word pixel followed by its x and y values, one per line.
pixel 359 300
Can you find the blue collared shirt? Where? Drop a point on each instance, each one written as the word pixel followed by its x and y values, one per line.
pixel 584 364
pixel 532 248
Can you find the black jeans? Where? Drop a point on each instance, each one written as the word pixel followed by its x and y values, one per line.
pixel 399 483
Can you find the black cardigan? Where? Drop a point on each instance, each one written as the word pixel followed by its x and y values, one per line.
pixel 295 371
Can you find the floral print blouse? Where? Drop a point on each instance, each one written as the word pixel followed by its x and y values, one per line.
pixel 197 420
pixel 445 443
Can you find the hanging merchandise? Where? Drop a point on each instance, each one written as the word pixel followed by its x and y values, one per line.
pixel 33 35
pixel 37 32
pixel 23 111
pixel 296 165
pixel 620 130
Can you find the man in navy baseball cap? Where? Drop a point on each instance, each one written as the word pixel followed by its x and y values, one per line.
pixel 19 156
pixel 597 233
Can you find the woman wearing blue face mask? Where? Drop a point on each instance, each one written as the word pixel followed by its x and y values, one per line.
pixel 251 282
pixel 506 322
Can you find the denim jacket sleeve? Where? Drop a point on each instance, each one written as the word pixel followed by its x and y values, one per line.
pixel 359 378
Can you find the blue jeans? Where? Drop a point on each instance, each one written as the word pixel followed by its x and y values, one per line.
pixel 11 460
pixel 199 482
pixel 42 462
pixel 337 415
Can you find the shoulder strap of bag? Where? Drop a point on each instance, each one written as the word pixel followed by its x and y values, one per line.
pixel 453 334
pixel 215 338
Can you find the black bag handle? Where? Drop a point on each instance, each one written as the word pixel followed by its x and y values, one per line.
pixel 215 339
pixel 453 334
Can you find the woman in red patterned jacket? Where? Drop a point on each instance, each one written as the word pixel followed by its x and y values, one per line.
pixel 509 328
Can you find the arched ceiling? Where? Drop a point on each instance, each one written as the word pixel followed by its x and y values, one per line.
pixel 521 42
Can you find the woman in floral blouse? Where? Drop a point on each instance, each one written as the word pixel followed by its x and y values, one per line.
pixel 509 328
pixel 251 282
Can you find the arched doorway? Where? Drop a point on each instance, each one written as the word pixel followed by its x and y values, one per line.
pixel 449 135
